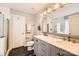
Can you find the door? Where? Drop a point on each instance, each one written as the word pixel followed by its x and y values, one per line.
pixel 18 31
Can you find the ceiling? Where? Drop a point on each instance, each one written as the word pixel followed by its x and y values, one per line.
pixel 31 8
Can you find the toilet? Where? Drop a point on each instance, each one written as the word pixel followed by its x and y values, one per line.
pixel 30 45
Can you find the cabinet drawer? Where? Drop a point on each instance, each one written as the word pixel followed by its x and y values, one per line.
pixel 43 48
pixel 43 52
pixel 53 50
pixel 43 45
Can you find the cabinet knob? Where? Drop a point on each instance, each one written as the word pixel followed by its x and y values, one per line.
pixel 36 40
pixel 59 54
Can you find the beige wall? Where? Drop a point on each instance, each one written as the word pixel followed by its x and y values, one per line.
pixel 74 22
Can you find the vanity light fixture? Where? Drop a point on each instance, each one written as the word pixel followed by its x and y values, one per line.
pixel 49 9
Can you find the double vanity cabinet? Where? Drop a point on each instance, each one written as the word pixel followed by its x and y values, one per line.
pixel 42 48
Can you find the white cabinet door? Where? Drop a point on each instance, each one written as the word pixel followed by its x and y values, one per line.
pixel 18 31
pixel 53 50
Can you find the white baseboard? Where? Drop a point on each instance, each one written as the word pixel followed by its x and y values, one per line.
pixel 8 52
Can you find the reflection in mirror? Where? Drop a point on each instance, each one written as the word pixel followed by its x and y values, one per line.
pixel 63 28
pixel 50 24
pixel 44 25
pixel 63 25
pixel 58 25
pixel 50 27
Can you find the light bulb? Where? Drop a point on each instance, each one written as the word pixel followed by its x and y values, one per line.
pixel 41 14
pixel 56 6
pixel 45 12
pixel 49 10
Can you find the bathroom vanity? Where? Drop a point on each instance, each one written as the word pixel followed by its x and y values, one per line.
pixel 49 46
pixel 62 23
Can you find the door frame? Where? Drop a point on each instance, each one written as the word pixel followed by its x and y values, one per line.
pixel 10 46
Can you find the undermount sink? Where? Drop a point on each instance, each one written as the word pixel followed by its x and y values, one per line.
pixel 60 41
pixel 66 43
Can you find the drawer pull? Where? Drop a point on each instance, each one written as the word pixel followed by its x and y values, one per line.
pixel 36 40
pixel 44 44
pixel 43 50
pixel 58 54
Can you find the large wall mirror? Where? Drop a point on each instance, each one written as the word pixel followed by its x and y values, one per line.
pixel 62 25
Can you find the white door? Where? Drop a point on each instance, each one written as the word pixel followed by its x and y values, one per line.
pixel 18 31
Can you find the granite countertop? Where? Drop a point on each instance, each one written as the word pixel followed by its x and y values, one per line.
pixel 65 45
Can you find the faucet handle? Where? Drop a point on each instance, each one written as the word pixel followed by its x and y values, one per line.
pixel 64 39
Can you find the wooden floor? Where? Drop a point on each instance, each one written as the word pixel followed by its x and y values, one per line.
pixel 21 51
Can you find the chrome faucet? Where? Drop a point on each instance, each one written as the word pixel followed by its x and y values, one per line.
pixel 69 38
